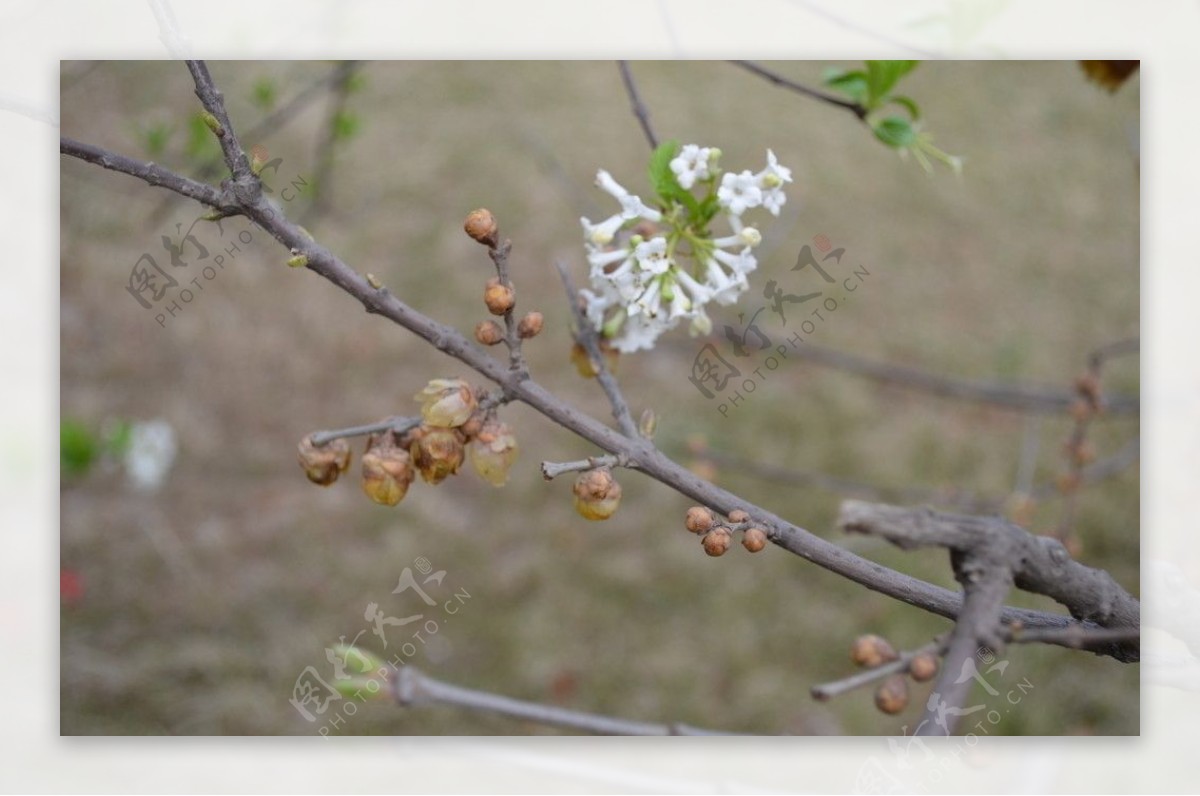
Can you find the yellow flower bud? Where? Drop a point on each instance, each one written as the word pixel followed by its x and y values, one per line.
pixel 387 471
pixel 325 463
pixel 446 403
pixel 437 454
pixel 597 494
pixel 493 452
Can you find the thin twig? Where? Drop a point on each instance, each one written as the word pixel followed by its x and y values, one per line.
pixel 779 80
pixel 639 110
pixel 151 173
pixel 214 103
pixel 413 688
pixel 397 425
pixel 1074 637
pixel 826 691
pixel 516 358
pixel 793 538
pixel 551 470
pixel 586 336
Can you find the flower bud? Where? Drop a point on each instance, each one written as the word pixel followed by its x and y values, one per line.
pixel 1088 386
pixel 489 333
pixel 387 471
pixel 323 464
pixel 493 452
pixel 699 519
pixel 754 539
pixel 498 298
pixel 583 362
pixel 717 541
pixel 470 429
pixel 437 454
pixel 923 667
pixel 446 402
pixel 1068 482
pixel 737 515
pixel 530 325
pixel 482 227
pixel 597 494
pixel 1081 454
pixel 872 651
pixel 1080 410
pixel 892 695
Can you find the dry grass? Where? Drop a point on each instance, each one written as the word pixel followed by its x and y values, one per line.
pixel 204 601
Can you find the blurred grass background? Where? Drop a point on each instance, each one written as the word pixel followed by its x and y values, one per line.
pixel 197 606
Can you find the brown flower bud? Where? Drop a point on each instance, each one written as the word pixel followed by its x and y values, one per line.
pixel 498 298
pixel 737 515
pixel 717 541
pixel 1088 386
pixel 470 429
pixel 530 325
pixel 323 464
pixel 489 333
pixel 437 454
pixel 493 452
pixel 871 651
pixel 754 539
pixel 597 494
pixel 1068 482
pixel 446 402
pixel 923 667
pixel 387 471
pixel 482 227
pixel 892 695
pixel 699 519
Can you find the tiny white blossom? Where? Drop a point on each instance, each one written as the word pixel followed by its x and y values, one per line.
pixel 631 205
pixel 741 263
pixel 739 192
pixel 771 180
pixel 602 234
pixel 691 164
pixel 651 255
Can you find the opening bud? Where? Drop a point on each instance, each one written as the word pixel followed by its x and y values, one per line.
pixel 323 464
pixel 387 471
pixel 597 494
pixel 437 454
pixel 493 452
pixel 446 403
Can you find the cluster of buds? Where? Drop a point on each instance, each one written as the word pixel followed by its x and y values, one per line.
pixel 499 296
pixel 454 427
pixel 717 537
pixel 871 651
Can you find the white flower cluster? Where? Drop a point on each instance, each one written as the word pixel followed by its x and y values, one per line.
pixel 672 266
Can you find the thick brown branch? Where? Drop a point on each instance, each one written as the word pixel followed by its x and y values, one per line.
pixel 1039 564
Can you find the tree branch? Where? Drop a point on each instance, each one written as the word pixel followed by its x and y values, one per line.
pixel 413 688
pixel 639 110
pixel 650 460
pixel 779 80
pixel 151 173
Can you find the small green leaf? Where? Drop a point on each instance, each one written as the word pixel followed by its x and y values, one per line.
pixel 852 84
pixel 77 447
pixel 895 131
pixel 662 179
pixel 908 104
pixel 882 77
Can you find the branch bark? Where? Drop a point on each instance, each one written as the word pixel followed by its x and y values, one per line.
pixel 793 538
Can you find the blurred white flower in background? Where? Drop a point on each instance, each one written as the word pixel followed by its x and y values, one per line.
pixel 150 454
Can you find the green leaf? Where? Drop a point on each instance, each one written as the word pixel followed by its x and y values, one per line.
pixel 895 131
pixel 882 77
pixel 200 143
pixel 908 104
pixel 662 179
pixel 852 84
pixel 77 447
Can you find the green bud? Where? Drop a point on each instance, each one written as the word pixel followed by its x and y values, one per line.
pixel 213 124
pixel 297 261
